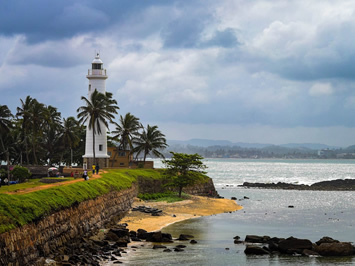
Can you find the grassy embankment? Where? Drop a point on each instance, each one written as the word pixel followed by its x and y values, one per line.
pixel 20 209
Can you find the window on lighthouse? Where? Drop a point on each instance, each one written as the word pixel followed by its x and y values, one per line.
pixel 100 147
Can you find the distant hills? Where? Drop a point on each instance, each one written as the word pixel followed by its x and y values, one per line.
pixel 226 143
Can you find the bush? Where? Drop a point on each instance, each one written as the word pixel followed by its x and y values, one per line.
pixel 3 172
pixel 20 173
pixel 140 165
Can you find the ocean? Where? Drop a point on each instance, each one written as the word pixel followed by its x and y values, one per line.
pixel 265 212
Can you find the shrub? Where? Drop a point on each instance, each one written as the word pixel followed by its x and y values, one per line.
pixel 140 165
pixel 20 173
pixel 3 172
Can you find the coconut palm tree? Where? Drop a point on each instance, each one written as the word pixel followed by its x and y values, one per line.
pixel 24 112
pixel 5 125
pixel 70 135
pixel 100 109
pixel 150 141
pixel 125 131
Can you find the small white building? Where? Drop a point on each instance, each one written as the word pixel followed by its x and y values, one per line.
pixel 97 81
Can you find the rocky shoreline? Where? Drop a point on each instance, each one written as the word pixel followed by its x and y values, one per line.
pixel 332 185
pixel 266 245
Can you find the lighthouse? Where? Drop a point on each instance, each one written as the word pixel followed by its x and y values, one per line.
pixel 97 81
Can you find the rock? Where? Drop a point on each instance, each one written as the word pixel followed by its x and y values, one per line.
pixel 291 206
pixel 117 262
pixel 185 237
pixel 64 258
pixel 326 239
pixel 236 237
pixel 245 197
pixel 178 249
pixel 335 249
pixel 136 239
pixel 158 246
pixel 110 236
pixel 132 233
pixel 167 250
pixel 142 234
pixel 180 246
pixel 236 241
pixel 294 245
pixel 233 198
pixel 101 243
pixel 256 239
pixel 119 232
pixel 154 237
pixel 193 241
pixel 122 242
pixel 255 250
pixel 309 253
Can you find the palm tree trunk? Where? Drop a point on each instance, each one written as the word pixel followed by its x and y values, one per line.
pixel 114 157
pixel 26 148
pixel 93 143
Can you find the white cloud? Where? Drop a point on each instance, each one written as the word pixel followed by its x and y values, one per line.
pixel 320 89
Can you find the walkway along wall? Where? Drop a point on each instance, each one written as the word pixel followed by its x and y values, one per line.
pixel 25 244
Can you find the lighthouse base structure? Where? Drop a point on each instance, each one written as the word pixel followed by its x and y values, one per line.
pixel 89 161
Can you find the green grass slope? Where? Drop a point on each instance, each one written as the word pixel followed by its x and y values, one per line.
pixel 18 210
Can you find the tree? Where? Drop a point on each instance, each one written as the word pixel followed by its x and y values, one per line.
pixel 125 132
pixel 150 141
pixel 184 170
pixel 70 134
pixel 5 125
pixel 100 109
pixel 24 112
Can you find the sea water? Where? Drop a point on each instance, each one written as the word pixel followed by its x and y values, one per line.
pixel 265 212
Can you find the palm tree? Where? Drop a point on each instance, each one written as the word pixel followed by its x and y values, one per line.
pixel 23 112
pixel 51 128
pixel 97 111
pixel 150 141
pixel 125 131
pixel 37 115
pixel 5 125
pixel 70 135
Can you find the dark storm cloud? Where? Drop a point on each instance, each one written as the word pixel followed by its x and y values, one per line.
pixel 41 20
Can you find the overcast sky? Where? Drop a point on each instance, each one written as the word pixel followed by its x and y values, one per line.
pixel 251 71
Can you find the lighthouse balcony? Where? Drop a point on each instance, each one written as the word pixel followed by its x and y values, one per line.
pixel 97 72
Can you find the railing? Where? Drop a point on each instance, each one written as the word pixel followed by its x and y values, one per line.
pixel 100 72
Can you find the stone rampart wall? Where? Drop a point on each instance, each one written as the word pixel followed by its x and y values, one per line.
pixel 23 245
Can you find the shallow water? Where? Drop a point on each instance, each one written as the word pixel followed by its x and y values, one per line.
pixel 315 214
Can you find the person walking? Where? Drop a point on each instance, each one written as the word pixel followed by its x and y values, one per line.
pixel 93 169
pixel 97 169
pixel 85 175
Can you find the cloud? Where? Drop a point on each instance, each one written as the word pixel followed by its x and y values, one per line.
pixel 320 89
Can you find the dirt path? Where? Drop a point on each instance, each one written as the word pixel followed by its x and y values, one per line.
pixel 64 183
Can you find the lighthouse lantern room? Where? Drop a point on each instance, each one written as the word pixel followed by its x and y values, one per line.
pixel 97 81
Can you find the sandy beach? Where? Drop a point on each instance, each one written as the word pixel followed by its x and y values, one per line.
pixel 175 212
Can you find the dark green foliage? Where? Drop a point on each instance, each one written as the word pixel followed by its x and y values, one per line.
pixel 20 173
pixel 166 196
pixel 184 170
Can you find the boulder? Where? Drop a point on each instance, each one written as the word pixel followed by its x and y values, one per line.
pixel 154 237
pixel 185 237
pixel 335 249
pixel 309 253
pixel 158 246
pixel 119 232
pixel 178 249
pixel 256 239
pixel 255 250
pixel 326 239
pixel 294 245
pixel 193 241
pixel 233 198
pixel 142 234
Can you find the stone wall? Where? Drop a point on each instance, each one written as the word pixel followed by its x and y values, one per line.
pixel 24 244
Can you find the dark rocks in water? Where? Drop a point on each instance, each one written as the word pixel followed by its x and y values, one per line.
pixel 291 206
pixel 101 243
pixel 309 253
pixel 233 198
pixel 255 250
pixel 236 237
pixel 335 249
pixel 117 262
pixel 326 239
pixel 132 233
pixel 185 237
pixel 158 246
pixel 178 249
pixel 180 246
pixel 245 197
pixel 159 237
pixel 237 241
pixel 256 239
pixel 167 250
pixel 338 184
pixel 193 241
pixel 136 239
pixel 294 245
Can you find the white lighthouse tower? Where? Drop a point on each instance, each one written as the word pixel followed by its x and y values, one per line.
pixel 97 81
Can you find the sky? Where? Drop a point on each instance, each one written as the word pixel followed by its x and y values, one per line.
pixel 257 71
